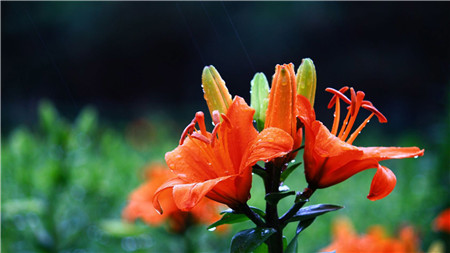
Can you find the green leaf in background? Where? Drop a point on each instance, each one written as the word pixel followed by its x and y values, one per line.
pixel 274 197
pixel 289 170
pixel 293 245
pixel 313 211
pixel 119 228
pixel 248 240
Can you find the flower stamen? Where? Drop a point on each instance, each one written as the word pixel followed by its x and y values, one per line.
pixel 355 103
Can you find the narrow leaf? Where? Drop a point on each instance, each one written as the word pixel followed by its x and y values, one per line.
pixel 248 240
pixel 274 197
pixel 229 218
pixel 313 211
pixel 289 170
pixel 302 225
pixel 258 211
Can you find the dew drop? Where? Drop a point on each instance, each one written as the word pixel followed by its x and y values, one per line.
pixel 416 156
pixel 212 229
pixel 283 188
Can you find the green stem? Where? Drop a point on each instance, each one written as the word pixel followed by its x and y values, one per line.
pixel 252 215
pixel 275 241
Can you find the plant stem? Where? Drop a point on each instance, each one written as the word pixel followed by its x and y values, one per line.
pixel 275 241
pixel 252 215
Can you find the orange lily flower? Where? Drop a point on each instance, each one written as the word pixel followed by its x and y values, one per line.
pixel 281 112
pixel 330 157
pixel 345 239
pixel 140 204
pixel 218 165
pixel 442 222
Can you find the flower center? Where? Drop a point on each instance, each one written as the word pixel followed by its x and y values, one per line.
pixel 355 103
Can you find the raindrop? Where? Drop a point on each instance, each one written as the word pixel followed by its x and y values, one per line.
pixel 293 161
pixel 416 156
pixel 212 229
pixel 283 188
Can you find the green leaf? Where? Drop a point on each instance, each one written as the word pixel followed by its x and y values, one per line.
pixel 229 218
pixel 289 170
pixel 313 211
pixel 248 240
pixel 258 211
pixel 302 225
pixel 274 197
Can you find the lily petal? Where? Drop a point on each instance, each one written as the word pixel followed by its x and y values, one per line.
pixel 272 142
pixel 382 184
pixel 384 153
pixel 186 196
pixel 167 185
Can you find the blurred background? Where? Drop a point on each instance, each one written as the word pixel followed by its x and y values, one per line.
pixel 92 92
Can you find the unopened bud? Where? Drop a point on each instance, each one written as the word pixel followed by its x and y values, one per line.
pixel 216 93
pixel 306 80
pixel 281 109
pixel 259 99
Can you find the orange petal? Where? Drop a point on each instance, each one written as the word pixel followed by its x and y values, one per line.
pixel 305 112
pixel 239 136
pixel 382 184
pixel 271 143
pixel 186 196
pixel 167 185
pixel 189 162
pixel 336 172
pixel 384 153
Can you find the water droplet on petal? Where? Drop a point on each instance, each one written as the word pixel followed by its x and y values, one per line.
pixel 212 229
pixel 416 156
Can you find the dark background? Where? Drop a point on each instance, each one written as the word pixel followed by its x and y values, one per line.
pixel 132 58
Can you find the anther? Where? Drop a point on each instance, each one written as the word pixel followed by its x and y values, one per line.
pixel 338 93
pixel 188 130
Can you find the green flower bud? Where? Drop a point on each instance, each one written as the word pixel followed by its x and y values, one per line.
pixel 216 93
pixel 259 98
pixel 306 80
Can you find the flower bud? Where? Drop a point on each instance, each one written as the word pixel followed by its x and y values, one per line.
pixel 259 98
pixel 306 80
pixel 281 109
pixel 216 93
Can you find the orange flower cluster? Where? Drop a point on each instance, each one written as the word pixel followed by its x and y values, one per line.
pixel 345 239
pixel 140 204
pixel 218 164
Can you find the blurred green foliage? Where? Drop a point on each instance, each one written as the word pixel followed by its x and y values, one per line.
pixel 64 185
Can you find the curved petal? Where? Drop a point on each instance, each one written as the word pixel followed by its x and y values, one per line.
pixel 167 185
pixel 271 143
pixel 238 137
pixel 186 196
pixel 189 162
pixel 382 184
pixel 305 112
pixel 384 153
pixel 334 175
